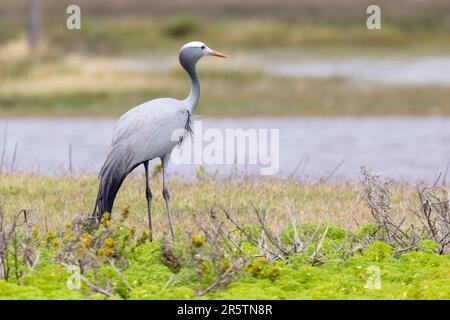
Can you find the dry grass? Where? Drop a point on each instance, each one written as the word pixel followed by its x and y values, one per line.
pixel 54 201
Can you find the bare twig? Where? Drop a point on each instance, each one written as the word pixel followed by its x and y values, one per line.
pixel 124 281
pixel 5 136
pixel 70 157
pixel 13 161
pixel 216 283
pixel 91 285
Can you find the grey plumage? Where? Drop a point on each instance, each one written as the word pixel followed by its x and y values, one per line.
pixel 148 131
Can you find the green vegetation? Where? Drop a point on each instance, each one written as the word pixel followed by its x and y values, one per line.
pixel 118 264
pixel 236 239
pixel 111 27
pixel 139 36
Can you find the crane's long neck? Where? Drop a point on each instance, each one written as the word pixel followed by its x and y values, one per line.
pixel 194 95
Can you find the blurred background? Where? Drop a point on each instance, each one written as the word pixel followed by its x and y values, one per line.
pixel 346 96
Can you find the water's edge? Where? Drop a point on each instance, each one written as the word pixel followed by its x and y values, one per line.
pixel 408 149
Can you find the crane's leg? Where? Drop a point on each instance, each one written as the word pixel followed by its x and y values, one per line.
pixel 149 196
pixel 166 195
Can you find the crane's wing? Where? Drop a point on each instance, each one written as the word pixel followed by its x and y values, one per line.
pixel 128 124
pixel 144 116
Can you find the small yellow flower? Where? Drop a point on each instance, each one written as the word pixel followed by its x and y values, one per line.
pixel 35 234
pixel 197 241
pixel 108 252
pixel 69 225
pixel 105 216
pixel 86 239
pixel 50 236
pixel 109 243
pixel 125 213
pixel 101 252
pixel 68 235
pixel 274 273
pixel 146 234
pixel 225 265
pixel 106 219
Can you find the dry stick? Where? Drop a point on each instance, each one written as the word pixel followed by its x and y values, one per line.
pixel 14 156
pixel 3 261
pixel 229 239
pixel 70 157
pixel 215 283
pixel 215 236
pixel 426 212
pixel 319 245
pixel 303 159
pixel 428 206
pixel 313 236
pixel 226 236
pixel 90 284
pixel 4 268
pixel 168 282
pixel 268 234
pixel 382 215
pixel 444 179
pixel 16 257
pixel 202 228
pixel 5 134
pixel 437 180
pixel 249 236
pixel 15 221
pixel 33 265
pixel 342 246
pixel 262 244
pixel 333 172
pixel 297 243
pixel 218 233
pixel 45 223
pixel 111 262
pixel 1 219
pixel 397 227
pixel 243 231
pixel 208 234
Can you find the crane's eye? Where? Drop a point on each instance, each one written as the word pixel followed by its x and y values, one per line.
pixel 202 47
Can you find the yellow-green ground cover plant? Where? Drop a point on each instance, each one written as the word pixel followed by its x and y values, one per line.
pixel 222 255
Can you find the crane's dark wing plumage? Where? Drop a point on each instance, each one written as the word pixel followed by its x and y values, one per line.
pixel 117 166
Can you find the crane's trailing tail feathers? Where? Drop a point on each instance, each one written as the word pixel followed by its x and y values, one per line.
pixel 117 166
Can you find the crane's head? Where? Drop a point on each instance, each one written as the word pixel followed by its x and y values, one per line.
pixel 193 51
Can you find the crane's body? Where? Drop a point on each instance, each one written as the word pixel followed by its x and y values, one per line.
pixel 136 128
pixel 149 131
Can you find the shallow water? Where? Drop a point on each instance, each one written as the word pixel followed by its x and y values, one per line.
pixel 418 71
pixel 393 71
pixel 408 149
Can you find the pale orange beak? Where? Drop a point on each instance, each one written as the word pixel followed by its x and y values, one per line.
pixel 217 54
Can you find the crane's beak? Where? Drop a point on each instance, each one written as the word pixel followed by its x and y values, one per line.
pixel 215 53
